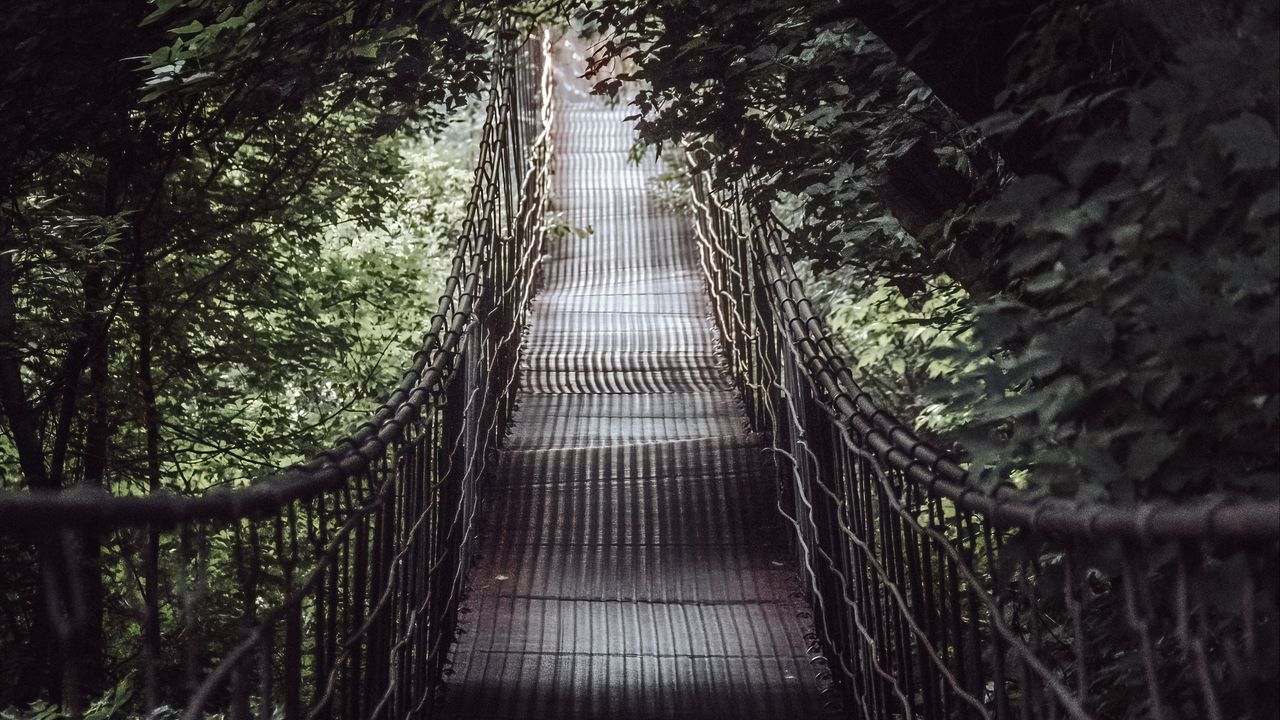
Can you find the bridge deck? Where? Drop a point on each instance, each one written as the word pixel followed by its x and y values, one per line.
pixel 632 562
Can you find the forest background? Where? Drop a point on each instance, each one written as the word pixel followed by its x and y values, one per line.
pixel 1048 233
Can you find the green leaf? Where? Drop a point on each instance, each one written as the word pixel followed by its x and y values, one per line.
pixel 191 28
pixel 1249 140
pixel 1147 453
pixel 1107 147
pixel 1265 207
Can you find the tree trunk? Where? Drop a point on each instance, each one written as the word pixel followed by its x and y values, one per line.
pixel 13 394
pixel 86 646
pixel 151 421
pixel 22 427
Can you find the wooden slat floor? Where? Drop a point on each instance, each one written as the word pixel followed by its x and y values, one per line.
pixel 632 562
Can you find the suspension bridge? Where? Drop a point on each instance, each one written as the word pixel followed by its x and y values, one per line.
pixel 629 476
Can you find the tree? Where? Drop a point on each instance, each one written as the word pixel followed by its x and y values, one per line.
pixel 1079 174
pixel 171 174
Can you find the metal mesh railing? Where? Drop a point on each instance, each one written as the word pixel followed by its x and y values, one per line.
pixel 935 599
pixel 345 573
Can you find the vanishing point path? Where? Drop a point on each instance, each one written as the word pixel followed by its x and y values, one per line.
pixel 632 561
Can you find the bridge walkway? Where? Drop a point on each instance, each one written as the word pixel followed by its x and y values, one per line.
pixel 632 562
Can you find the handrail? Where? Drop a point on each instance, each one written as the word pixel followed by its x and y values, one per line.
pixel 1220 515
pixel 935 598
pixel 348 457
pixel 331 588
pixel 88 506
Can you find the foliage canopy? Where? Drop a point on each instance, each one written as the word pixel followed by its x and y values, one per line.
pixel 1104 197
